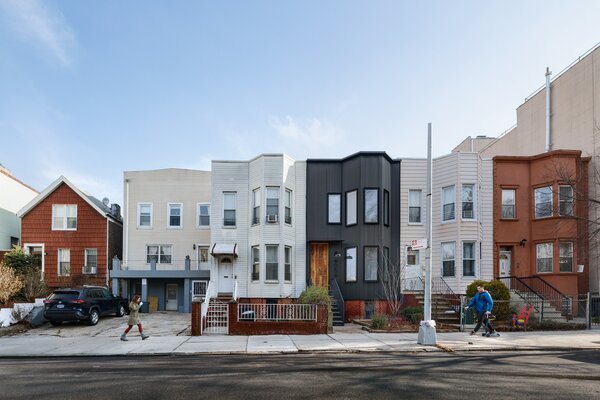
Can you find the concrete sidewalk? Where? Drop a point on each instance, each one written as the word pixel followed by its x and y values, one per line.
pixel 110 345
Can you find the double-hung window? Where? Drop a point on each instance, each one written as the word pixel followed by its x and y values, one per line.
pixel 414 206
pixel 256 206
pixel 566 256
pixel 175 211
pixel 468 259
pixel 448 258
pixel 160 254
pixel 544 257
pixel 565 200
pixel 543 202
pixel 371 206
pixel 287 203
pixel 448 200
pixel 272 204
pixel 287 270
pixel 229 200
pixel 272 263
pixel 64 217
pixel 351 264
pixel 371 263
pixel 334 208
pixel 203 215
pixel 144 215
pixel 468 195
pixel 91 261
pixel 64 262
pixel 255 263
pixel 351 198
pixel 508 204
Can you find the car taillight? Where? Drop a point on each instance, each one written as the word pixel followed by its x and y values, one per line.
pixel 47 301
pixel 78 301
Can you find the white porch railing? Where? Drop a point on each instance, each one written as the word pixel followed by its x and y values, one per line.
pixel 210 293
pixel 277 312
pixel 235 290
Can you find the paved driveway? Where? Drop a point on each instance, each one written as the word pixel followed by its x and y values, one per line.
pixel 155 324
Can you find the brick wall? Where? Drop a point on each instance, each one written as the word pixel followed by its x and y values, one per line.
pixel 277 328
pixel 355 309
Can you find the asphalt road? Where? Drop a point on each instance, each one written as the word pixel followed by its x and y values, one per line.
pixel 548 375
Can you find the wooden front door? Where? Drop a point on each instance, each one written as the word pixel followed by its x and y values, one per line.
pixel 319 264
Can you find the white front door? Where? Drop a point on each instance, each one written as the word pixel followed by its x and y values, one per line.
pixel 225 275
pixel 505 261
pixel 171 297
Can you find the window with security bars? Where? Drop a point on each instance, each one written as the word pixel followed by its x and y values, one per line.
pixel 468 209
pixel 287 271
pixel 199 288
pixel 414 206
pixel 64 262
pixel 229 210
pixel 566 257
pixel 468 259
pixel 565 200
pixel 508 203
pixel 544 257
pixel 543 202
pixel 255 263
pixel 448 259
pixel 448 204
pixel 272 263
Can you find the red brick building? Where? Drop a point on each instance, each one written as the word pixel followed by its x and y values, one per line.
pixel 74 235
pixel 540 219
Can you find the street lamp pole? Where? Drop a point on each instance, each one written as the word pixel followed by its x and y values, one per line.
pixel 427 333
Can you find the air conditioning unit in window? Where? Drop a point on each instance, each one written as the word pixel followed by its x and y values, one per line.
pixel 272 218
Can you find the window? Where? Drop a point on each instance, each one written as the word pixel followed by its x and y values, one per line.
pixel 203 215
pixel 256 206
pixel 272 263
pixel 229 208
pixel 64 217
pixel 351 264
pixel 566 257
pixel 287 200
pixel 371 206
pixel 371 264
pixel 544 253
pixel 412 257
pixel 199 288
pixel 272 204
pixel 334 208
pixel 64 262
pixel 467 202
pixel 255 263
pixel 448 259
pixel 175 211
pixel 414 206
pixel 287 271
pixel 161 254
pixel 508 203
pixel 351 207
pixel 565 200
pixel 386 208
pixel 468 259
pixel 543 202
pixel 144 215
pixel 386 263
pixel 203 259
pixel 448 203
pixel 91 261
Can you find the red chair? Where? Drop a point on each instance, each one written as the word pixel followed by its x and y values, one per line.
pixel 522 320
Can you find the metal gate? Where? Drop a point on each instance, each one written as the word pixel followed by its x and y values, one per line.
pixel 217 318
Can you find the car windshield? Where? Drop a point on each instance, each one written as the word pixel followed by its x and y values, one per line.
pixel 64 296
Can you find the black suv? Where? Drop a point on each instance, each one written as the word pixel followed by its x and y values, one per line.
pixel 87 303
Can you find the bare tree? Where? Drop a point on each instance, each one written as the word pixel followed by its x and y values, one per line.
pixel 392 276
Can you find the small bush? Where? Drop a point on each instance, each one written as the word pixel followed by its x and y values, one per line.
pixel 498 291
pixel 315 295
pixel 413 314
pixel 550 325
pixel 379 321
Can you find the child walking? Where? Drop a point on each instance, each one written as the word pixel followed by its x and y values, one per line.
pixel 134 318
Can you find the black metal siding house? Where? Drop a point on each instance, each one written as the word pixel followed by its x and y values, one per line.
pixel 353 227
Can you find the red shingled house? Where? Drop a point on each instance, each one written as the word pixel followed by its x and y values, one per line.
pixel 74 235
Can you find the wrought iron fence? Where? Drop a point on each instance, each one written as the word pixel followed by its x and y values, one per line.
pixel 277 312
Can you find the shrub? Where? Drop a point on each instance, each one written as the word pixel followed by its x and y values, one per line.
pixel 19 261
pixel 379 321
pixel 500 294
pixel 315 295
pixel 33 286
pixel 550 325
pixel 413 314
pixel 10 283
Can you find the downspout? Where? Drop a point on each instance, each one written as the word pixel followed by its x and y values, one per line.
pixel 126 223
pixel 548 132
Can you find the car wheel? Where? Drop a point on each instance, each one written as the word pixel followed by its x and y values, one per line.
pixel 56 323
pixel 94 317
pixel 120 310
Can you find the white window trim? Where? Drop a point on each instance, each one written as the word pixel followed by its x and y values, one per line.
pixel 225 194
pixel 267 262
pixel 158 254
pixel 198 280
pixel 139 206
pixel 462 270
pixel 571 200
pixel 514 205
pixel 169 226
pixel 448 221
pixel 198 246
pixel 291 264
pixel 537 271
pixel 474 202
pixel 65 224
pixel 58 268
pixel 420 206
pixel 252 264
pixel 407 249
pixel 26 249
pixel 291 207
pixel 535 204
pixel 452 259
pixel 198 226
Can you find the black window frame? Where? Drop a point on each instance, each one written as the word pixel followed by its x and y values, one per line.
pixel 365 264
pixel 340 209
pixel 365 206
pixel 346 208
pixel 386 207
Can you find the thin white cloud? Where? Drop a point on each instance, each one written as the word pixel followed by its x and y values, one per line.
pixel 34 20
pixel 313 132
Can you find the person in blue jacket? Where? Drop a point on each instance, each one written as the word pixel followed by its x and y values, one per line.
pixel 483 303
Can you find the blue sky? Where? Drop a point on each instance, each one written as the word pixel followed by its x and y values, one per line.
pixel 91 89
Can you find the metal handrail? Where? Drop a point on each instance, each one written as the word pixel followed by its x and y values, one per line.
pixel 551 294
pixel 337 295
